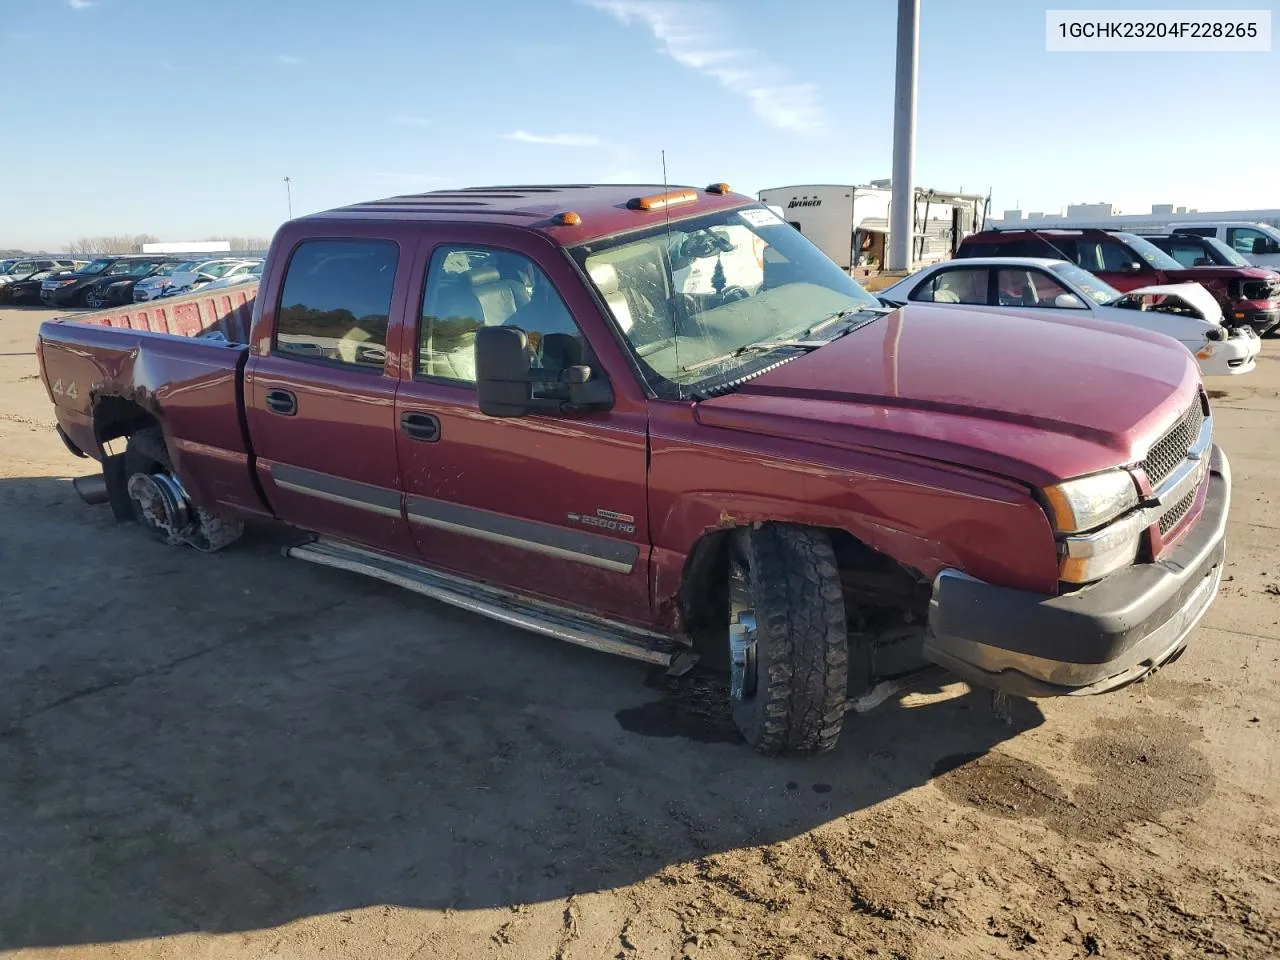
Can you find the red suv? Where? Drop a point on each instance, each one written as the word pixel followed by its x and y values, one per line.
pixel 1247 295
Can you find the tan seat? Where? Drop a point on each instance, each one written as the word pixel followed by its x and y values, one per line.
pixel 498 297
pixel 605 277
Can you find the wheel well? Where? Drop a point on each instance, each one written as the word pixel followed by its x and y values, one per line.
pixel 115 417
pixel 871 581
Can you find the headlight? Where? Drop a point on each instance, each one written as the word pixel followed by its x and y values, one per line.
pixel 1088 502
pixel 1092 556
pixel 63 283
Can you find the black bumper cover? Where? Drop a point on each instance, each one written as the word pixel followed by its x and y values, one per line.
pixel 1096 639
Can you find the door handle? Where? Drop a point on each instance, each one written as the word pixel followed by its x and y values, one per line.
pixel 282 402
pixel 420 426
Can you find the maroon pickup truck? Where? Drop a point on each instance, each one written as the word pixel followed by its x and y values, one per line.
pixel 660 423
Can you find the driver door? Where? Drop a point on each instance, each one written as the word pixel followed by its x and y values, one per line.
pixel 545 504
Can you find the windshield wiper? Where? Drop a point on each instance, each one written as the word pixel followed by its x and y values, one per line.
pixel 761 346
pixel 801 340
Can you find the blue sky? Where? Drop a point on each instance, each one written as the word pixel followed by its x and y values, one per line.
pixel 180 118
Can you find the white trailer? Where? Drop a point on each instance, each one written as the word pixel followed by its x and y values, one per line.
pixel 850 223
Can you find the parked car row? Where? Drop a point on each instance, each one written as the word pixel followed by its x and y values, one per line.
pixel 20 277
pixel 1248 294
pixel 1048 289
pixel 188 275
pixel 109 281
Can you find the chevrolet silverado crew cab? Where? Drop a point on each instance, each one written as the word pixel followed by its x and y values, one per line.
pixel 520 401
pixel 1248 295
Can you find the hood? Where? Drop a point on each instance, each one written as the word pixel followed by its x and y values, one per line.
pixel 1219 272
pixel 1193 293
pixel 1035 401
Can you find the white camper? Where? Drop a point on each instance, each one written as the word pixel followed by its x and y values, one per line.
pixel 850 224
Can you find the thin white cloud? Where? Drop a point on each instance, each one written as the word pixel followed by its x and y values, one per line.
pixel 555 139
pixel 287 60
pixel 409 120
pixel 81 4
pixel 691 34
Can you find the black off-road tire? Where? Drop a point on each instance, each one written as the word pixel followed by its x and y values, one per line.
pixel 802 656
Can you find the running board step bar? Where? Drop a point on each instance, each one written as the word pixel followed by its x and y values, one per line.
pixel 605 636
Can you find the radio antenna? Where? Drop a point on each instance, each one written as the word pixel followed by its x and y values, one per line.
pixel 671 292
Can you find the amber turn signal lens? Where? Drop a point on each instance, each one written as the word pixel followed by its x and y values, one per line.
pixel 659 201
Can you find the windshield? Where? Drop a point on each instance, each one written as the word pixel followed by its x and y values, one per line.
pixel 1225 254
pixel 1149 252
pixel 97 266
pixel 169 268
pixel 1096 290
pixel 687 298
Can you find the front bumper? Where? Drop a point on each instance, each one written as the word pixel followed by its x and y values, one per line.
pixel 61 296
pixel 1262 321
pixel 1096 639
pixel 1231 357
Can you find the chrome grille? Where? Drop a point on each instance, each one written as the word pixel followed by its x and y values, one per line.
pixel 1176 513
pixel 1171 449
pixel 1260 289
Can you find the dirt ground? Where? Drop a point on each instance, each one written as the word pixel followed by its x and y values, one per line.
pixel 240 755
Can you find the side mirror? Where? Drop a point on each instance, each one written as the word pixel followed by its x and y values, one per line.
pixel 1264 245
pixel 1131 267
pixel 1067 301
pixel 506 377
pixel 503 386
pixel 1202 262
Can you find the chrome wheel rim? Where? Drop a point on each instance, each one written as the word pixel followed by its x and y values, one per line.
pixel 742 634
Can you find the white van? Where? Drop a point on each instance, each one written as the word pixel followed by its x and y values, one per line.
pixel 1259 243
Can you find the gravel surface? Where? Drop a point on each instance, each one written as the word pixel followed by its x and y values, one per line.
pixel 238 755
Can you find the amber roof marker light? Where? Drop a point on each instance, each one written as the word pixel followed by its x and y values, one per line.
pixel 567 219
pixel 719 188
pixel 660 201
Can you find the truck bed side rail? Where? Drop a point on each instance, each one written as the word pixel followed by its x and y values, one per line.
pixel 228 312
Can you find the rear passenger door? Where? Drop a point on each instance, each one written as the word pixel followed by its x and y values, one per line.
pixel 549 505
pixel 959 287
pixel 321 393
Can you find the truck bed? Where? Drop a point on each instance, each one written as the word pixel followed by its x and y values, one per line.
pixel 179 361
pixel 228 312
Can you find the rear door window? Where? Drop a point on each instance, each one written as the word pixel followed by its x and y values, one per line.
pixel 957 285
pixel 336 302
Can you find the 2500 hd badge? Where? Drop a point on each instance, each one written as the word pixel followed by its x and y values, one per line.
pixel 606 520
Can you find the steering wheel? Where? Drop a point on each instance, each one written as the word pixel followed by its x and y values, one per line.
pixel 733 294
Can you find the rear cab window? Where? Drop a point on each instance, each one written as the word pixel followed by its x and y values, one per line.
pixel 336 302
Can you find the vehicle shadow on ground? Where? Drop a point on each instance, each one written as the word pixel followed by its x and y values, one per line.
pixel 231 742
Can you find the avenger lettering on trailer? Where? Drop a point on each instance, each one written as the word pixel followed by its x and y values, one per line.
pixel 804 203
pixel 804 488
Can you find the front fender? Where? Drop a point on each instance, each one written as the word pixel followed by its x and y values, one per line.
pixel 925 517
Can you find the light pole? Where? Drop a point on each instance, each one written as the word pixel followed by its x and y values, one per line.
pixel 902 221
pixel 288 192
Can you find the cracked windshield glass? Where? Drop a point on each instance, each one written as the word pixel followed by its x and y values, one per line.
pixel 709 300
